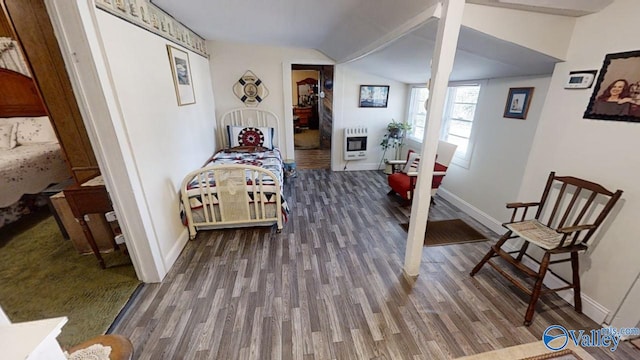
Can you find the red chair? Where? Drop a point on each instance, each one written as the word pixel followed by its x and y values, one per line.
pixel 405 172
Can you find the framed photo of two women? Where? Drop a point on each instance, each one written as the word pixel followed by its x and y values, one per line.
pixel 616 95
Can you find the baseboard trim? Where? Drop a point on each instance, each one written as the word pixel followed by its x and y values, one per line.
pixel 175 251
pixel 590 307
pixel 472 211
pixel 354 165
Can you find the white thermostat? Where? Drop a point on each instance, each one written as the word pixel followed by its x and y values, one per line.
pixel 580 79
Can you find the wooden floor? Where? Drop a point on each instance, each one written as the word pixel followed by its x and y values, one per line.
pixel 313 159
pixel 330 286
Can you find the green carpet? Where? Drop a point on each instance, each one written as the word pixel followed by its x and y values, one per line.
pixel 42 276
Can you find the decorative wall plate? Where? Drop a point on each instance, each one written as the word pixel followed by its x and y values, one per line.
pixel 250 89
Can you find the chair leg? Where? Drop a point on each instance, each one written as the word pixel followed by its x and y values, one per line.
pixel 492 251
pixel 523 250
pixel 537 288
pixel 577 299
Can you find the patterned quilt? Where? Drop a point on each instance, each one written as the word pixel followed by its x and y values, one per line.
pixel 268 159
pixel 28 169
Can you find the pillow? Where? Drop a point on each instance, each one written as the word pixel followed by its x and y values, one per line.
pixel 412 163
pixel 250 136
pixel 35 130
pixel 8 136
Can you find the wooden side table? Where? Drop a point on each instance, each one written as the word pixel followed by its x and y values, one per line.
pixel 50 191
pixel 90 199
pixel 121 347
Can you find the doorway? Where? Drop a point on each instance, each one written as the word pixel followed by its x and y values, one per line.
pixel 312 101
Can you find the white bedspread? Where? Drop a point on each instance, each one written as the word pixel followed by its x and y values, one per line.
pixel 29 169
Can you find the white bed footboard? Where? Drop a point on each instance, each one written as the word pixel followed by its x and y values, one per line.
pixel 231 195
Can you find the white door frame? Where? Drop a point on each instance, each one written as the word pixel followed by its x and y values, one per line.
pixel 287 90
pixel 77 32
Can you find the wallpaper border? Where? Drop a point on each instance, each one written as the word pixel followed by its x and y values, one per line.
pixel 148 16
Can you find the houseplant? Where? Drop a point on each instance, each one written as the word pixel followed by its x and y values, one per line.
pixel 394 138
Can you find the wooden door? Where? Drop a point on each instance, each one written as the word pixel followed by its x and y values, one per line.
pixel 326 106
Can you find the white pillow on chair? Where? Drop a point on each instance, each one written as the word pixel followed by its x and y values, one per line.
pixel 412 163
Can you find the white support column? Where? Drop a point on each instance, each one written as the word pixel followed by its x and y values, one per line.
pixel 443 56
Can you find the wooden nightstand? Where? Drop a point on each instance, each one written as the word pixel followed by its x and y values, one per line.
pixel 90 198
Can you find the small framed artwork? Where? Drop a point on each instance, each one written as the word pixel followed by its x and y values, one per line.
pixel 518 102
pixel 616 95
pixel 374 96
pixel 182 78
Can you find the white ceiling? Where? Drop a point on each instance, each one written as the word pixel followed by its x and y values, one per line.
pixel 479 56
pixel 339 28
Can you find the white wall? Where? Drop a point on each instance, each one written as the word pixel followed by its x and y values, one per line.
pixel 349 114
pixel 167 140
pixel 501 149
pixel 601 151
pixel 229 61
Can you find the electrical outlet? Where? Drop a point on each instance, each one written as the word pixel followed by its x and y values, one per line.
pixel 111 216
pixel 119 239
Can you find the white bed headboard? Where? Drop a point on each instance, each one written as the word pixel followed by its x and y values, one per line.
pixel 248 117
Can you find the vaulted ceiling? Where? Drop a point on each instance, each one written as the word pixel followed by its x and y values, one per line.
pixel 343 28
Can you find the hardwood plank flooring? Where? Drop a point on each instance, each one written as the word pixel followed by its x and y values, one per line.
pixel 313 159
pixel 330 286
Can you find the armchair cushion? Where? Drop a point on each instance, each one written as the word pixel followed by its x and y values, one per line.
pixel 404 183
pixel 439 171
pixel 401 184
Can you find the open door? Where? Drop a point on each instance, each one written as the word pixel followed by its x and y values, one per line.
pixel 312 100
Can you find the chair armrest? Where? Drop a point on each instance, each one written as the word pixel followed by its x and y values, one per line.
pixel 571 229
pixel 395 162
pixel 412 173
pixel 520 205
pixel 439 173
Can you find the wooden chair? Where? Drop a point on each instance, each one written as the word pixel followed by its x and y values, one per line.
pixel 583 205
pixel 405 172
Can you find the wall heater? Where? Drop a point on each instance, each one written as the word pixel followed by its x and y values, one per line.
pixel 355 143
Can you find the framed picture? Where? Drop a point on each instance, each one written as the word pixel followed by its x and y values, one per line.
pixel 518 102
pixel 374 96
pixel 182 78
pixel 616 95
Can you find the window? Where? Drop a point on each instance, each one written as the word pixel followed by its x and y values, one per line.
pixel 457 124
pixel 417 113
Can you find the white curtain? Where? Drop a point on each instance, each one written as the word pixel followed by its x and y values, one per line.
pixel 11 56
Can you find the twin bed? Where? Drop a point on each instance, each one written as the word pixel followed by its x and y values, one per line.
pixel 240 185
pixel 31 158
